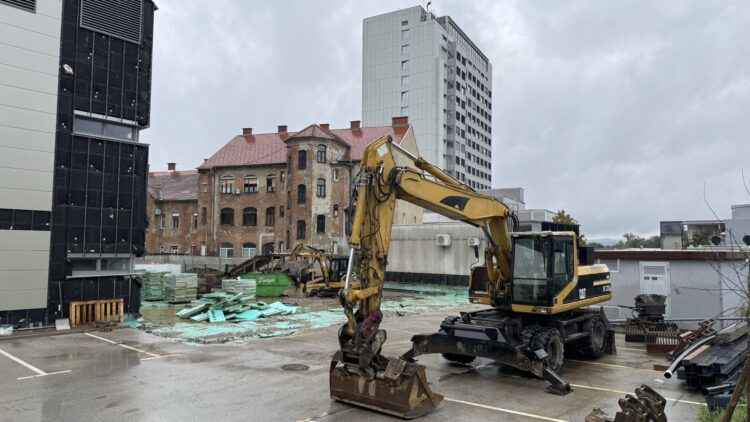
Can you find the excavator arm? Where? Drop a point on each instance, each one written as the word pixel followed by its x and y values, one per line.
pixel 395 385
pixel 303 250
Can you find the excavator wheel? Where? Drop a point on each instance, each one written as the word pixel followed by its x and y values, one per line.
pixel 547 339
pixel 593 346
pixel 455 357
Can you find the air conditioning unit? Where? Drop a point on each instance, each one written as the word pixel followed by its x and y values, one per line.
pixel 474 241
pixel 237 191
pixel 443 240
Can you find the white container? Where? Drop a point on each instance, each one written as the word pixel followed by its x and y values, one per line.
pixel 6 330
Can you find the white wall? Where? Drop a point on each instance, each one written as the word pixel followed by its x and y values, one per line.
pixel 29 60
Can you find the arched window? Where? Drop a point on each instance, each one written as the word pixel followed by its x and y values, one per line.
pixel 226 250
pixel 321 154
pixel 301 193
pixel 227 216
pixel 302 159
pixel 270 216
pixel 300 229
pixel 320 189
pixel 227 184
pixel 320 223
pixel 249 217
pixel 250 184
pixel 249 250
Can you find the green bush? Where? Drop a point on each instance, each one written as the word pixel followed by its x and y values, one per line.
pixel 740 413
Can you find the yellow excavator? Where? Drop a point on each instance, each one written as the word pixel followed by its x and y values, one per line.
pixel 326 279
pixel 538 286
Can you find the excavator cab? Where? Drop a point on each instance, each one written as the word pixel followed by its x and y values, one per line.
pixel 548 276
pixel 542 268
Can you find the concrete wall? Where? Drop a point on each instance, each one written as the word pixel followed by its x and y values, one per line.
pixel 738 226
pixel 189 262
pixel 415 256
pixel 29 56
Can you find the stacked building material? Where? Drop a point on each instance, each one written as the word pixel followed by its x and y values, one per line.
pixel 223 306
pixel 181 287
pixel 239 285
pixel 153 286
pixel 714 363
pixel 208 283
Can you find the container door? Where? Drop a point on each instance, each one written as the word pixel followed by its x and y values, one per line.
pixel 655 280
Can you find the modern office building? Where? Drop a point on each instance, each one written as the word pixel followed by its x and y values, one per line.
pixel 75 88
pixel 422 66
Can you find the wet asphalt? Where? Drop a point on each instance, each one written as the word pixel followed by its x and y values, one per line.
pixel 128 374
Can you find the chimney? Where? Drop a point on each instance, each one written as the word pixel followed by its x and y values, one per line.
pixel 324 126
pixel 354 125
pixel 247 131
pixel 400 121
pixel 171 166
pixel 282 129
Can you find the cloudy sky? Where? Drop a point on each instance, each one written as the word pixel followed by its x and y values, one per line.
pixel 618 112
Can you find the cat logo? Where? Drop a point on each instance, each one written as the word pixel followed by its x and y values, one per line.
pixel 457 202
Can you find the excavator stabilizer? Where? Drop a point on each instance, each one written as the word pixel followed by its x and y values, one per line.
pixel 402 390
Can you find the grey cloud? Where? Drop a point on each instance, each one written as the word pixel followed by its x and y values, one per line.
pixel 617 112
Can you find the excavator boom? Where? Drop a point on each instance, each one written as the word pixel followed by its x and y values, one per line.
pixel 359 373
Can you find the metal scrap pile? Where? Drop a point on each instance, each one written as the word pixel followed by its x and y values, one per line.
pixel 235 307
pixel 647 325
pixel 646 406
pixel 710 362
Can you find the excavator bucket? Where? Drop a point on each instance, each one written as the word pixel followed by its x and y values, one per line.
pixel 402 391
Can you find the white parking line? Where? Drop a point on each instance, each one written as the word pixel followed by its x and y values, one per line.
pixel 587 362
pixel 39 372
pixel 631 393
pixel 123 345
pixel 162 356
pixel 500 409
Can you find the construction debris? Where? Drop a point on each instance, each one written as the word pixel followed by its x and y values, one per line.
pixel 714 364
pixel 647 324
pixel 646 406
pixel 153 285
pixel 239 286
pixel 224 306
pixel 180 287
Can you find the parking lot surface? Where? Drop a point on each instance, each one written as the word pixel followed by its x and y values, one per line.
pixel 127 374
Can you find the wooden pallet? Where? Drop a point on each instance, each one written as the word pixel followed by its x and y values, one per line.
pixel 87 312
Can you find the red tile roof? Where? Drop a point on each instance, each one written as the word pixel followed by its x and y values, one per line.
pixel 174 185
pixel 270 148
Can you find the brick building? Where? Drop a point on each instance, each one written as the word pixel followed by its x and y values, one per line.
pixel 267 192
pixel 172 207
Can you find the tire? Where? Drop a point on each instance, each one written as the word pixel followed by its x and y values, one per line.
pixel 547 339
pixel 455 357
pixel 593 346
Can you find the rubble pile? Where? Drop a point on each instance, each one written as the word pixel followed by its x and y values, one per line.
pixel 225 306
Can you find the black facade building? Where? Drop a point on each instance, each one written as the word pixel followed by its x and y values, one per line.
pixel 98 210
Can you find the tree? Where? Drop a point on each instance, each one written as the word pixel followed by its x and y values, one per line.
pixel 635 241
pixel 562 217
pixel 700 238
